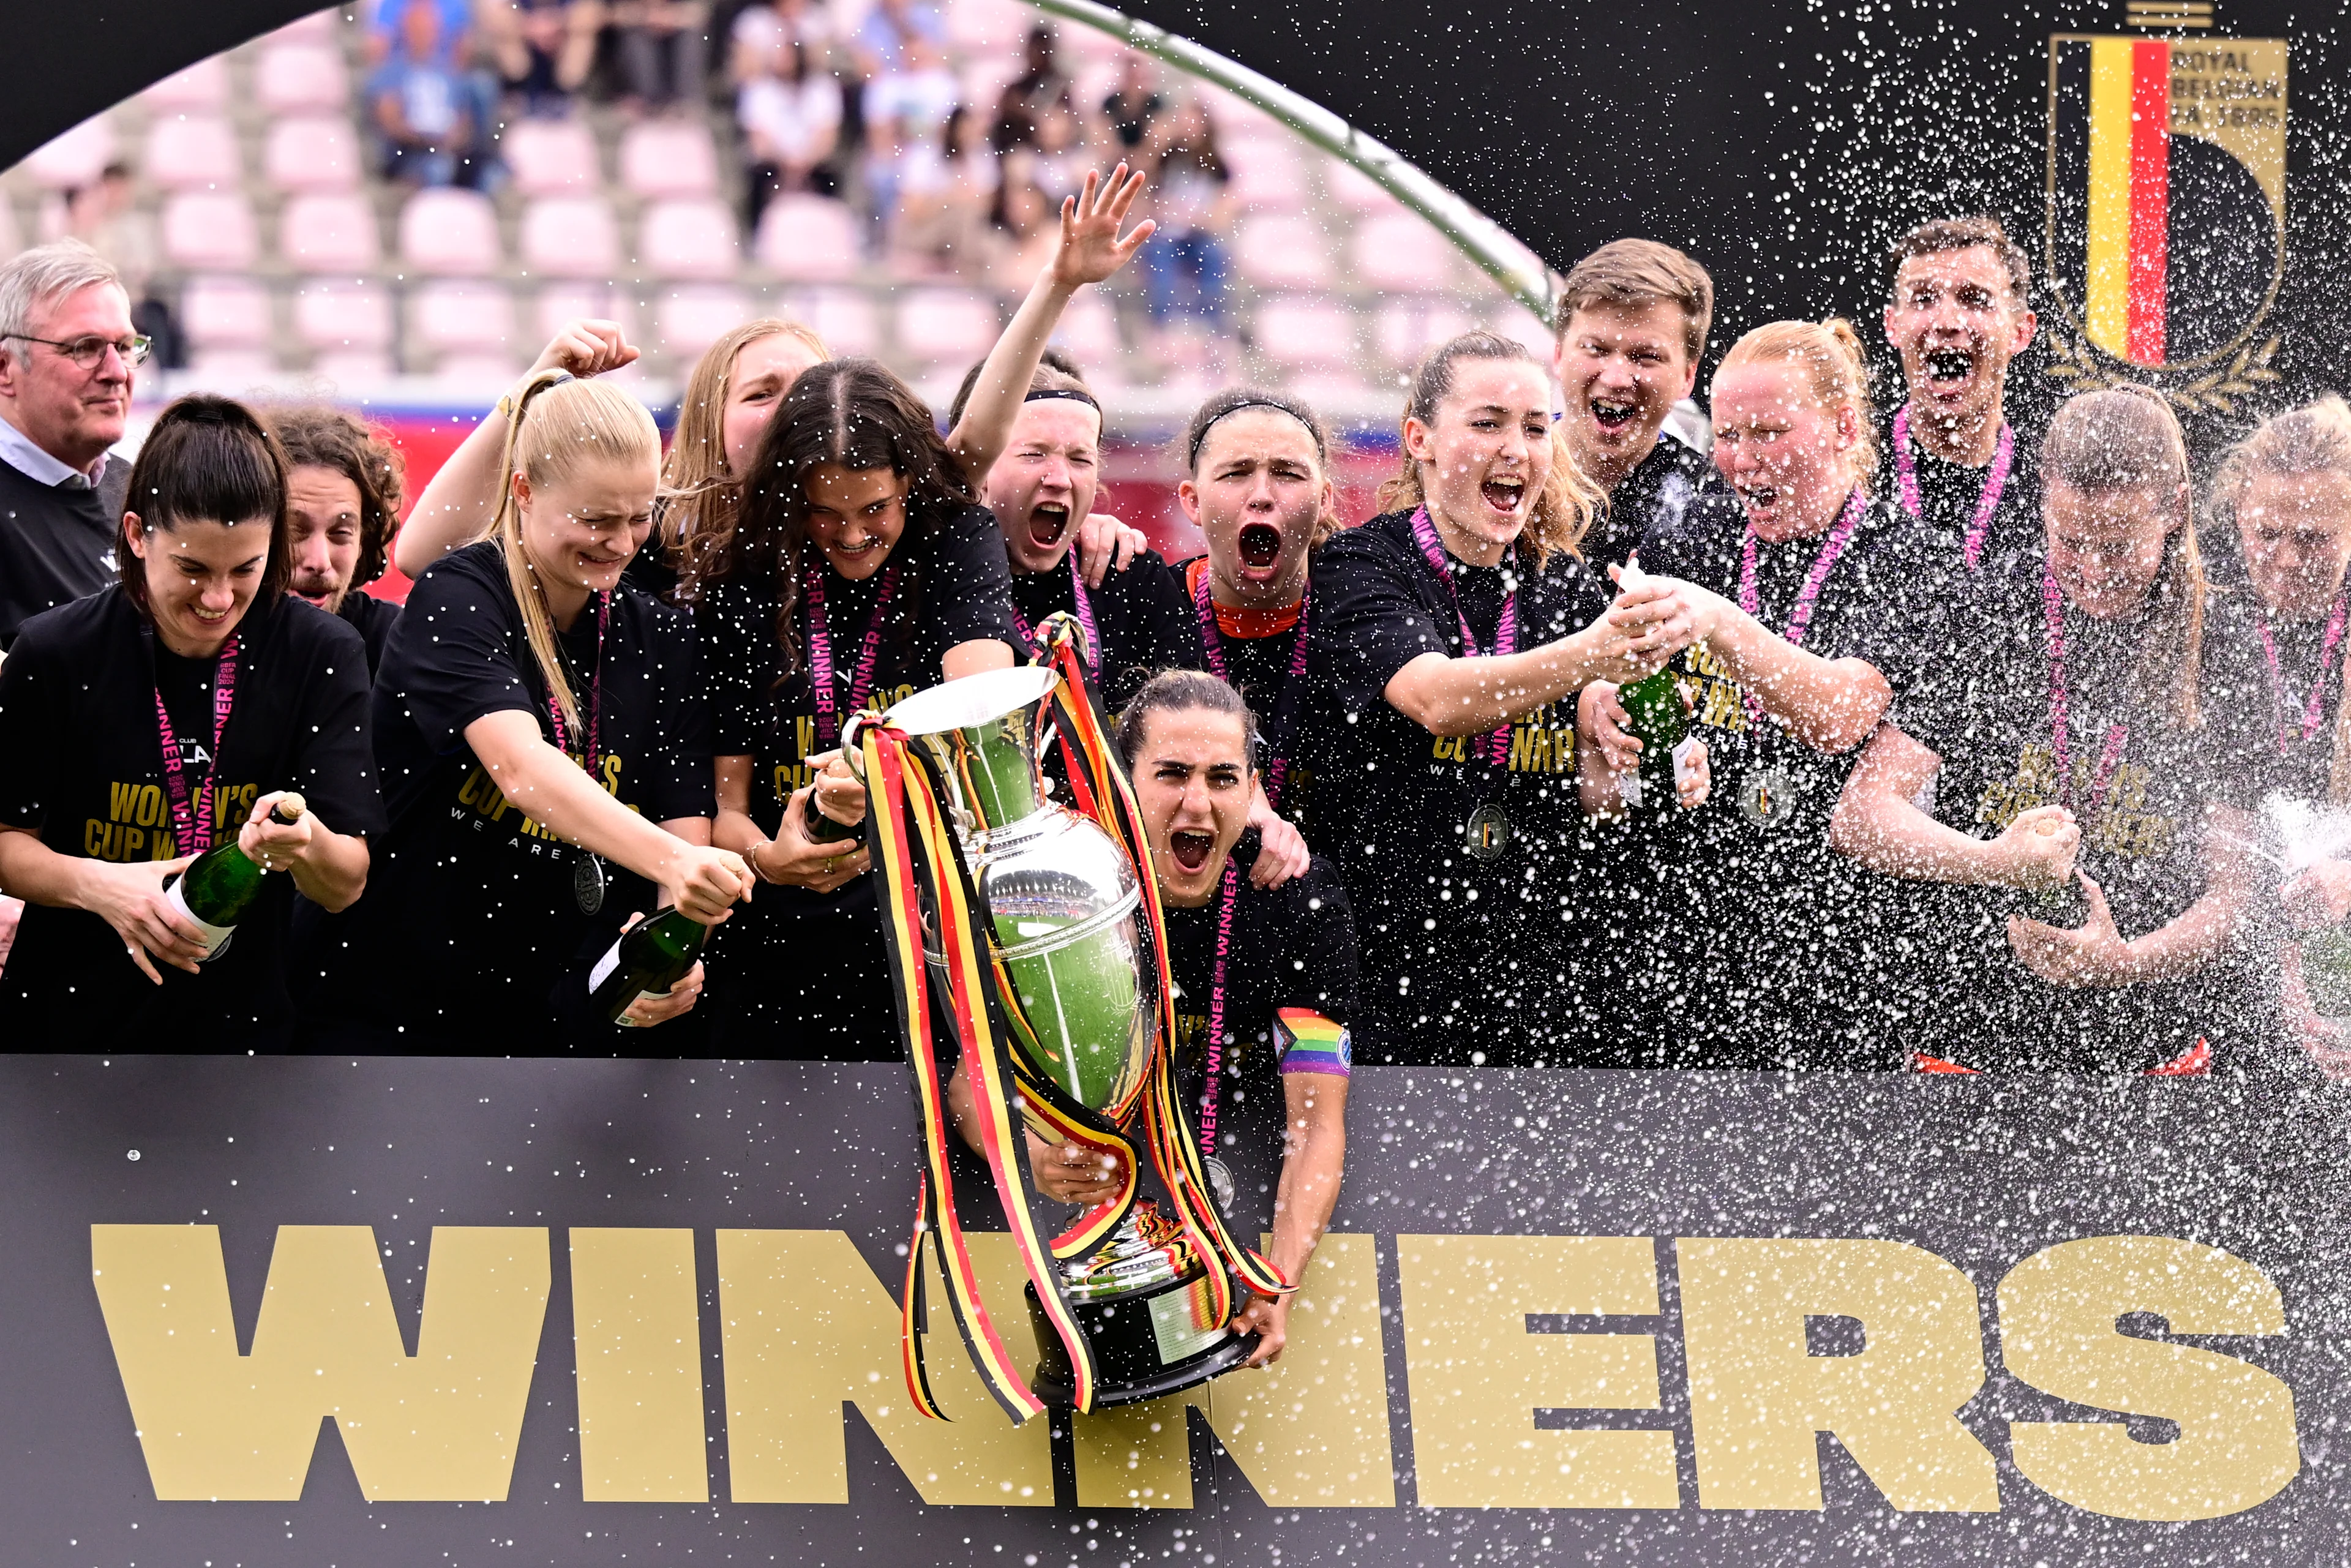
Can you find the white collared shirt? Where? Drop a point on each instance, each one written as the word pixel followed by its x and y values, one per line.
pixel 16 449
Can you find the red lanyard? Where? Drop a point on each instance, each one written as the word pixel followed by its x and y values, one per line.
pixel 1751 598
pixel 821 676
pixel 1906 477
pixel 2052 607
pixel 1495 746
pixel 1285 707
pixel 595 694
pixel 1228 894
pixel 2311 710
pixel 192 829
pixel 1085 617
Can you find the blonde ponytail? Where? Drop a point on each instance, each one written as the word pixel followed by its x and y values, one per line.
pixel 556 425
pixel 1834 366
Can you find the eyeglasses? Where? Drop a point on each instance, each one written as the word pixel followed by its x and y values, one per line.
pixel 89 352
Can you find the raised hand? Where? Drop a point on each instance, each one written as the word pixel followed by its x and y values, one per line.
pixel 1091 249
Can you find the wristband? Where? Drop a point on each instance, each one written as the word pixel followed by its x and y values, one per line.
pixel 752 860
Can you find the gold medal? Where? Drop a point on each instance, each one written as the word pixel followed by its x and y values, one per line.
pixel 1767 798
pixel 588 884
pixel 1489 832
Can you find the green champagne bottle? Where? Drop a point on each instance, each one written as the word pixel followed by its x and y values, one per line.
pixel 217 889
pixel 1660 723
pixel 821 829
pixel 650 957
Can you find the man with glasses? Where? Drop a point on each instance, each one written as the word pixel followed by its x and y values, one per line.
pixel 67 354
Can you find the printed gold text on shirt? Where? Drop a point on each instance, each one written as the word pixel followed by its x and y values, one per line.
pixel 793 777
pixel 138 824
pixel 490 806
pixel 2127 827
pixel 1540 743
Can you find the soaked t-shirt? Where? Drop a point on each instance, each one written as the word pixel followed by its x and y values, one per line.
pixel 1144 623
pixel 1950 495
pixel 1657 494
pixel 1259 654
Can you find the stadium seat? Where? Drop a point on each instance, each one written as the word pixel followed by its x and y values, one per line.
pixel 232 371
pixel 226 312
pixel 193 152
pixel 350 368
pixel 203 87
pixel 669 157
pixel 1521 325
pixel 990 27
pixel 1408 326
pixel 691 239
pixel 1306 329
pixel 450 233
pixel 570 236
pixel 334 315
pixel 946 326
pixel 481 373
pixel 551 157
pixel 844 317
pixel 1089 331
pixel 10 241
pixel 561 302
pixel 317 153
pixel 210 230
pixel 74 159
pixel 328 234
pixel 1356 191
pixel 301 79
pixel 1402 250
pixel 809 239
pixel 317 27
pixel 468 316
pixel 1282 250
pixel 691 319
pixel 1267 174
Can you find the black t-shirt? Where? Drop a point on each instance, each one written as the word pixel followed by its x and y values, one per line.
pixel 1259 667
pixel 801 975
pixel 1655 494
pixel 299 720
pixel 373 619
pixel 2283 759
pixel 1949 493
pixel 57 544
pixel 1145 624
pixel 2145 816
pixel 1290 949
pixel 1782 943
pixel 470 918
pixel 1464 957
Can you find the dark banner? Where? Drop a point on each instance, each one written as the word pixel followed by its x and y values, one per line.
pixel 300 1311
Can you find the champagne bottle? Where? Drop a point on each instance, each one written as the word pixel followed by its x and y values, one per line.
pixel 821 829
pixel 2064 905
pixel 1652 705
pixel 650 957
pixel 217 889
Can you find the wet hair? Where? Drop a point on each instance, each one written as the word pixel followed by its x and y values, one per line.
pixel 559 425
pixel 1234 400
pixel 2127 438
pixel 698 491
pixel 1183 691
pixel 1056 372
pixel 1835 369
pixel 855 414
pixel 314 435
pixel 1638 272
pixel 1564 508
pixel 209 459
pixel 1965 234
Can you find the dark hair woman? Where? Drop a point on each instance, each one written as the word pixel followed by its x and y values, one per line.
pixel 343 484
pixel 860 569
pixel 196 692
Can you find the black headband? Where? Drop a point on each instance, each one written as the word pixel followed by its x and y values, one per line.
pixel 1075 394
pixel 1200 439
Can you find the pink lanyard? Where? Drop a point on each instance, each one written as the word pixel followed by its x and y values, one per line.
pixel 595 694
pixel 2052 607
pixel 1085 617
pixel 2311 710
pixel 1751 598
pixel 1228 894
pixel 1212 641
pixel 1497 746
pixel 1905 477
pixel 860 682
pixel 192 830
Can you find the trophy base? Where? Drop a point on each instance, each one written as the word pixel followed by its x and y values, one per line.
pixel 1146 1345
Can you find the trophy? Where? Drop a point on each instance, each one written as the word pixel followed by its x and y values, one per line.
pixel 1027 933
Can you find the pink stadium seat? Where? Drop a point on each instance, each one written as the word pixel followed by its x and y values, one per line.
pixel 1356 191
pixel 75 158
pixel 947 325
pixel 1282 251
pixel 333 315
pixel 467 317
pixel 570 236
pixel 669 157
pixel 844 317
pixel 561 302
pixel 317 27
pixel 1517 322
pixel 450 233
pixel 10 241
pixel 812 239
pixel 551 157
pixel 486 372
pixel 193 152
pixel 1089 331
pixel 202 86
pixel 1407 327
pixel 210 229
pixel 226 312
pixel 1302 329
pixel 352 366
pixel 320 153
pixel 990 27
pixel 328 234
pixel 301 79
pixel 689 239
pixel 694 317
pixel 233 370
pixel 1267 174
pixel 1402 250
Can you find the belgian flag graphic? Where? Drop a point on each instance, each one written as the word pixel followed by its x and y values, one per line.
pixel 2163 237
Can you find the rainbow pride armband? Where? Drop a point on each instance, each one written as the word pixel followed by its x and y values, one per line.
pixel 1309 1042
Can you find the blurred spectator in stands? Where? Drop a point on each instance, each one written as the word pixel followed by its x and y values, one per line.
pixel 791 121
pixel 543 49
pixel 384 23
pixel 1059 158
pixel 763 34
pixel 104 216
pixel 1040 87
pixel 1028 227
pixel 879 45
pixel 421 109
pixel 1184 264
pixel 906 113
pixel 943 227
pixel 1133 104
pixel 665 52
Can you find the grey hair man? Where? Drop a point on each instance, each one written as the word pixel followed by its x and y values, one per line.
pixel 68 355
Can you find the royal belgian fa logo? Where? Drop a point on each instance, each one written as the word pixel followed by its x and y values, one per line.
pixel 2166 212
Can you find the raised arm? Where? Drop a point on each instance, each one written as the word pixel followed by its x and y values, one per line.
pixel 1647 625
pixel 1878 823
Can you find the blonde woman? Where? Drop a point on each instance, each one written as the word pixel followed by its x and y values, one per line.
pixel 545 747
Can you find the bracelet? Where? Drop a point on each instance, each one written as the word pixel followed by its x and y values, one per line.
pixel 752 860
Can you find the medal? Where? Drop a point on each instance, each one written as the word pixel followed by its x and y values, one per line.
pixel 1767 797
pixel 587 870
pixel 1489 834
pixel 1220 1182
pixel 588 884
